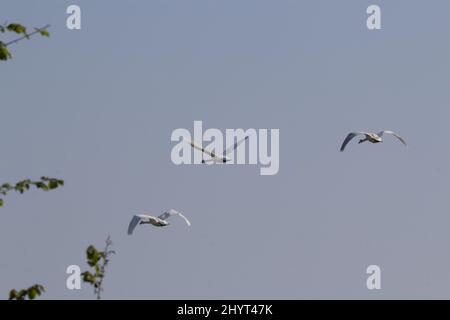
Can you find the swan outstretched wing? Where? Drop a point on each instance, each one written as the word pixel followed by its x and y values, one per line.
pixel 173 212
pixel 349 137
pixel 195 146
pixel 232 148
pixel 133 223
pixel 136 220
pixel 394 134
pixel 185 219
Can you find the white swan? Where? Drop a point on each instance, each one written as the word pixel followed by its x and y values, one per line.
pixel 156 221
pixel 215 158
pixel 371 137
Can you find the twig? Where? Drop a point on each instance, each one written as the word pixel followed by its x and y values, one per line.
pixel 106 253
pixel 26 36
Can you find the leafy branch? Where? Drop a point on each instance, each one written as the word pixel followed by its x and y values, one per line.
pixel 45 184
pixel 30 293
pixel 99 261
pixel 18 29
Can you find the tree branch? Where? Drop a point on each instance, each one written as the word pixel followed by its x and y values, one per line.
pixel 26 36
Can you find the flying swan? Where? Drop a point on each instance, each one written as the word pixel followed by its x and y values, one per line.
pixel 156 221
pixel 371 137
pixel 215 158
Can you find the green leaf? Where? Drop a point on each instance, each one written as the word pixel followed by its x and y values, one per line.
pixel 41 185
pixel 17 28
pixel 93 256
pixel 88 277
pixel 53 184
pixel 44 33
pixel 4 52
pixel 12 294
pixel 32 293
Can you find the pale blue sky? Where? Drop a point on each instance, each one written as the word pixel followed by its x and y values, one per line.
pixel 96 107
